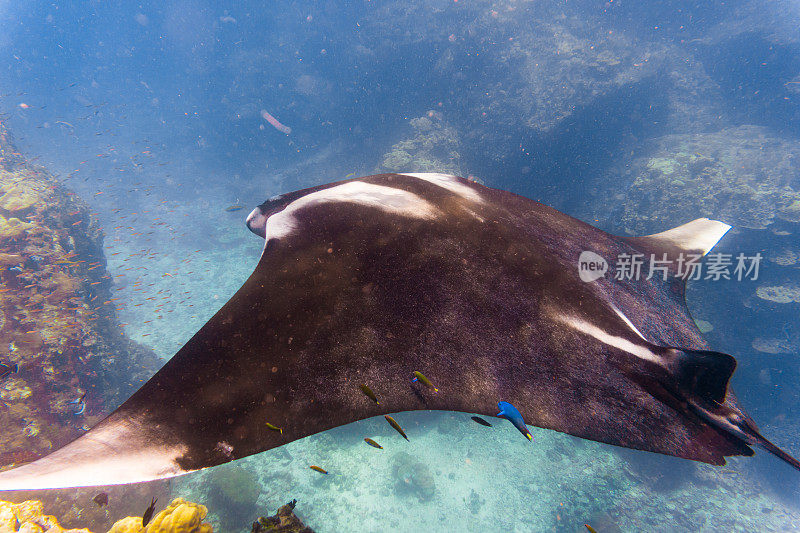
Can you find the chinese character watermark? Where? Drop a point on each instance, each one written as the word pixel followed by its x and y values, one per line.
pixel 717 266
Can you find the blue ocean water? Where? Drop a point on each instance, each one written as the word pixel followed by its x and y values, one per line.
pixel 635 117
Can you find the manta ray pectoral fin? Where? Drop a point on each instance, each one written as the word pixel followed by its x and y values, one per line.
pixel 697 237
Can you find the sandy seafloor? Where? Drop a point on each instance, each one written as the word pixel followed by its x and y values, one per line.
pixel 194 257
pixel 554 484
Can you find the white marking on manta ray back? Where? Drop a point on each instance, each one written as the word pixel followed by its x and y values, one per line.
pixel 388 199
pixel 627 321
pixel 642 352
pixel 450 183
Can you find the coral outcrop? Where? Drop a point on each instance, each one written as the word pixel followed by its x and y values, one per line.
pixel 432 147
pixel 284 521
pixel 57 317
pixel 743 176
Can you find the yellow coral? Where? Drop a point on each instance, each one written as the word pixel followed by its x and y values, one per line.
pixel 31 518
pixel 13 228
pixel 129 524
pixel 10 259
pixel 19 196
pixel 179 517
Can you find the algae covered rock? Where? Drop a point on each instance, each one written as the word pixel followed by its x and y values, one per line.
pixel 20 190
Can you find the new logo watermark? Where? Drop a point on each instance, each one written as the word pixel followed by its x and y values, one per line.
pixel 591 266
pixel 717 266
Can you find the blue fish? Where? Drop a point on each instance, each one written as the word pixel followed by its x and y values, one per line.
pixel 510 413
pixel 80 404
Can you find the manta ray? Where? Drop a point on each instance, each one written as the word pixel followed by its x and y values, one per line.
pixel 366 281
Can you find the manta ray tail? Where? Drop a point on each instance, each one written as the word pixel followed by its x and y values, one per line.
pixel 702 376
pixel 774 450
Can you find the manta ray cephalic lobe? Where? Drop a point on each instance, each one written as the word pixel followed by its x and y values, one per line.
pixel 365 281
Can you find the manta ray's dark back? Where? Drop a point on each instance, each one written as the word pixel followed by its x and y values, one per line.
pixel 366 281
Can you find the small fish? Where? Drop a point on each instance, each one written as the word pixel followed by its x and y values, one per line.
pixel 101 499
pixel 148 513
pixel 318 469
pixel 418 376
pixel 7 370
pixel 274 428
pixel 234 207
pixel 481 421
pixel 373 443
pixel 395 425
pixel 590 528
pixel 510 413
pixel 23 105
pixel 80 403
pixel 371 395
pixel 79 399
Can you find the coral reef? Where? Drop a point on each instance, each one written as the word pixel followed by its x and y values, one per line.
pixel 781 294
pixel 284 521
pixel 29 517
pixel 179 517
pixel 785 257
pixel 743 176
pixel 58 317
pixel 772 346
pixel 433 147
pixel 412 477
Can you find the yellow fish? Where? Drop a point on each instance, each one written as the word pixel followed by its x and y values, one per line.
pixel 371 395
pixel 373 443
pixel 318 469
pixel 395 425
pixel 274 428
pixel 418 376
